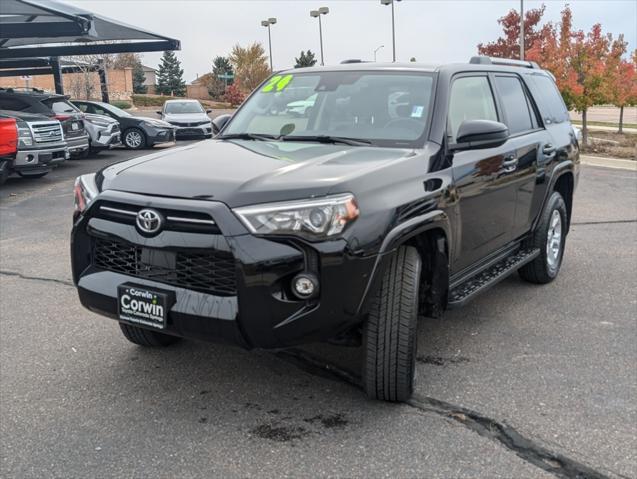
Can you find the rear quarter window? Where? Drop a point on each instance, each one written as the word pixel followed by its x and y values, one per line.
pixel 548 98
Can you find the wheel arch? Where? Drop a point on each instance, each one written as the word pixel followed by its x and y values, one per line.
pixel 564 184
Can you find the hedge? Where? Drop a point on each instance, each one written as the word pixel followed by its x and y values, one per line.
pixel 151 100
pixel 124 105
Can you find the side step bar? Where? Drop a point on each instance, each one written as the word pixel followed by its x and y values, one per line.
pixel 475 285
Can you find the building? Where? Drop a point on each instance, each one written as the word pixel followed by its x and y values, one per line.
pixel 151 76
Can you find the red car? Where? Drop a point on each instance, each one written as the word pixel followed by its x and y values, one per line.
pixel 8 145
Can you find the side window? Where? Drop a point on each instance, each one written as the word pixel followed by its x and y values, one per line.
pixel 514 103
pixel 548 98
pixel 471 99
pixel 83 107
pixel 13 104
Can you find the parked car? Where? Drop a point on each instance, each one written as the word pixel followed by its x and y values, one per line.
pixel 8 145
pixel 51 105
pixel 188 117
pixel 40 147
pixel 103 131
pixel 346 225
pixel 136 131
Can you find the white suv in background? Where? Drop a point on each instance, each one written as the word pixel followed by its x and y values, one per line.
pixel 189 118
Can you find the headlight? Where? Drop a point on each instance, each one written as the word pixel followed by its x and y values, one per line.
pixel 101 123
pixel 24 134
pixel 84 191
pixel 313 219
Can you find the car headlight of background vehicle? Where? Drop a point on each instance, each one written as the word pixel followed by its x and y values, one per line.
pixel 24 134
pixel 84 192
pixel 314 218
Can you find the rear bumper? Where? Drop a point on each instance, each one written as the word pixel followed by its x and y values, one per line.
pixel 77 145
pixel 261 312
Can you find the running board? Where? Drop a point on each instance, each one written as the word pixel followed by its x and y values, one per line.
pixel 475 285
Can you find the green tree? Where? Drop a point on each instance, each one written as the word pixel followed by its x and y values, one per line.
pixel 217 86
pixel 222 66
pixel 139 78
pixel 170 76
pixel 305 60
pixel 250 65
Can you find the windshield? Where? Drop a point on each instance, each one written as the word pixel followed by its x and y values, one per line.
pixel 385 108
pixel 114 110
pixel 176 107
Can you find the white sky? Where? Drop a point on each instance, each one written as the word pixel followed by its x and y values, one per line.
pixel 433 31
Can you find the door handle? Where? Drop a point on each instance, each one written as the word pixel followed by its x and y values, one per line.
pixel 548 149
pixel 510 164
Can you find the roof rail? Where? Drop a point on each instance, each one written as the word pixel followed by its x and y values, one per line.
pixel 503 61
pixel 353 60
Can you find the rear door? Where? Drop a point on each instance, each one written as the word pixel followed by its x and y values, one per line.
pixel 486 199
pixel 527 139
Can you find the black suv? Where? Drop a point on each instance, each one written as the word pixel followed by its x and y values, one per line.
pixel 54 106
pixel 398 190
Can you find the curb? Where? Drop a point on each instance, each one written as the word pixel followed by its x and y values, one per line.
pixel 604 162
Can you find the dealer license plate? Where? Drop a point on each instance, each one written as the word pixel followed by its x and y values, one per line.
pixel 141 305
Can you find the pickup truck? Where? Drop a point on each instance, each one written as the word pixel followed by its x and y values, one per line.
pixel 348 221
pixel 41 145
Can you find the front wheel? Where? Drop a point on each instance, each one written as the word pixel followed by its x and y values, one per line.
pixel 550 238
pixel 147 338
pixel 134 139
pixel 390 333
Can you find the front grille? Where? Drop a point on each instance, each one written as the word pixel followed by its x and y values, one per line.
pixel 208 271
pixel 46 132
pixel 176 220
pixel 194 123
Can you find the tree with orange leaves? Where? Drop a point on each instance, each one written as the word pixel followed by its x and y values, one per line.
pixel 508 46
pixel 621 77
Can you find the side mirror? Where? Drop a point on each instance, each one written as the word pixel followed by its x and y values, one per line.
pixel 208 111
pixel 219 122
pixel 158 112
pixel 474 134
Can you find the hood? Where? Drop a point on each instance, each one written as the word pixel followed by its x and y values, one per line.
pixel 154 121
pixel 241 172
pixel 185 117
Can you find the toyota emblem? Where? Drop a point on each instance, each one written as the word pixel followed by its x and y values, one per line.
pixel 149 221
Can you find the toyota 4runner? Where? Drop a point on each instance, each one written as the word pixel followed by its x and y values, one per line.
pixel 399 191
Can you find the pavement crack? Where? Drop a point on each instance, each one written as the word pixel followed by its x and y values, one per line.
pixel 36 278
pixel 528 450
pixel 611 222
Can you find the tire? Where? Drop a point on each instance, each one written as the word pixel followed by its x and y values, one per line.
pixel 390 332
pixel 147 338
pixel 208 136
pixel 546 266
pixel 134 139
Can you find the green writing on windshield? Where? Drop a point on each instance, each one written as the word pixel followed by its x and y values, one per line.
pixel 277 83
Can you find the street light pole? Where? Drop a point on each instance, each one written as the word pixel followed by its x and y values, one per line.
pixel 267 23
pixel 521 29
pixel 317 14
pixel 393 25
pixel 382 46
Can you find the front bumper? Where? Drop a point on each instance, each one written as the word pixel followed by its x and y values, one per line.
pixel 105 138
pixel 261 311
pixel 77 145
pixel 40 159
pixel 192 131
pixel 159 135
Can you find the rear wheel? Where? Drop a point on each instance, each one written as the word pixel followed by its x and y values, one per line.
pixel 147 338
pixel 134 139
pixel 550 238
pixel 390 333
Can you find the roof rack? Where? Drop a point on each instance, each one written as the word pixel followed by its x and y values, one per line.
pixel 353 60
pixel 503 61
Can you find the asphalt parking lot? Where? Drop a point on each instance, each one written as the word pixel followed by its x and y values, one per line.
pixel 524 382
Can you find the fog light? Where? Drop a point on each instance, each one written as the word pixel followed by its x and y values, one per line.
pixel 305 285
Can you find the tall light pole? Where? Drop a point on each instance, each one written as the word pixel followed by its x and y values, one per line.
pixel 317 14
pixel 521 29
pixel 393 24
pixel 267 23
pixel 382 46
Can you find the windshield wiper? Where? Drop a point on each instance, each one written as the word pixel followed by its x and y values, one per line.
pixel 328 139
pixel 247 136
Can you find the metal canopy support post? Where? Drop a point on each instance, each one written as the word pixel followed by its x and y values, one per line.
pixel 101 71
pixel 57 75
